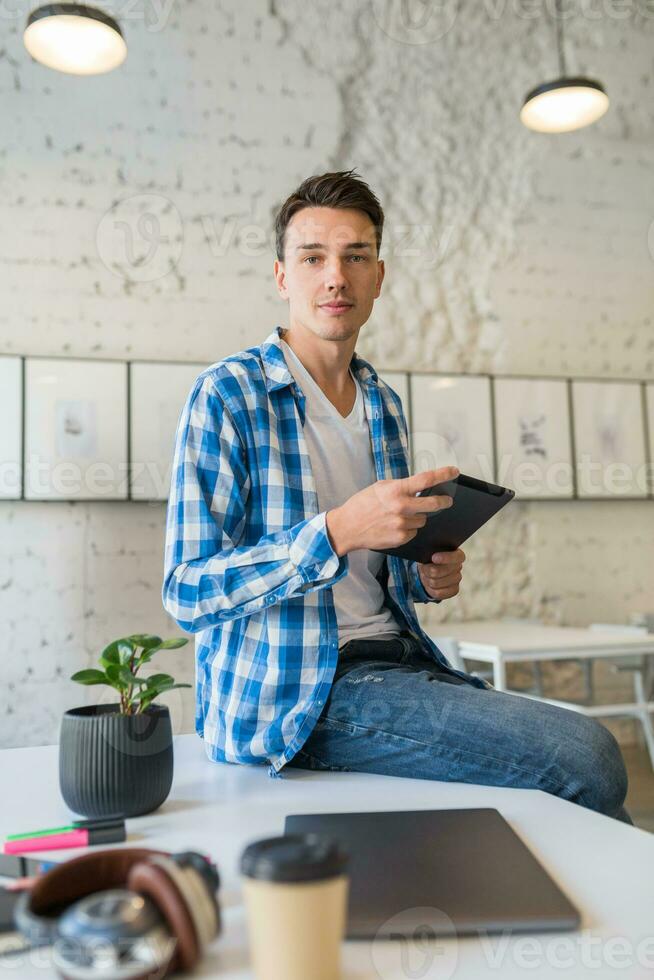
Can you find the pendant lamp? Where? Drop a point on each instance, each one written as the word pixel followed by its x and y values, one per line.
pixel 567 103
pixel 74 38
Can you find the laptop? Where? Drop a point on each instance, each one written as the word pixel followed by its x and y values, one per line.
pixel 445 872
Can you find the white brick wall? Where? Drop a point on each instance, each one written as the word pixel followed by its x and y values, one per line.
pixel 532 255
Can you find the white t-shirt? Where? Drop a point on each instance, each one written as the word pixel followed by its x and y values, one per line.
pixel 341 459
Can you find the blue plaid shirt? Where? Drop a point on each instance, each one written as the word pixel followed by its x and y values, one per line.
pixel 249 565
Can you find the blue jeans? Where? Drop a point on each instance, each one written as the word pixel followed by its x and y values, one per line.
pixel 394 710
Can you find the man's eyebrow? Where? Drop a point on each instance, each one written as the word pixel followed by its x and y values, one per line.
pixel 315 245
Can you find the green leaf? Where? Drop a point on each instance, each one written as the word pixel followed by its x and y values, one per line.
pixel 154 680
pixel 127 677
pixel 114 673
pixel 147 656
pixel 140 681
pixel 146 696
pixel 118 652
pixel 171 644
pixel 110 654
pixel 145 640
pixel 90 676
pixel 126 650
pixel 169 687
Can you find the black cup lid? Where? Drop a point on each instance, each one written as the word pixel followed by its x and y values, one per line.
pixel 295 857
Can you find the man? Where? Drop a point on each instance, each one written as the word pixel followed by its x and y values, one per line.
pixel 290 469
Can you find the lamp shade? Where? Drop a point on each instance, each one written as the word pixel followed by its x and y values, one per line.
pixel 564 105
pixel 74 38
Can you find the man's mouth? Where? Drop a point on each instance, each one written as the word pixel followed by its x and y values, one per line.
pixel 336 307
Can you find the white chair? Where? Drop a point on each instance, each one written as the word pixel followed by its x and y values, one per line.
pixel 641 665
pixel 536 667
pixel 585 663
pixel 450 647
pixel 537 687
pixel 643 619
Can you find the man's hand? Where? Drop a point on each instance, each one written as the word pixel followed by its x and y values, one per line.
pixel 387 513
pixel 441 576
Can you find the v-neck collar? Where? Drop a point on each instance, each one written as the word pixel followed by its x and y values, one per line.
pixel 278 374
pixel 333 412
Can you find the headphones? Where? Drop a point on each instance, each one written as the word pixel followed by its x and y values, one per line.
pixel 123 914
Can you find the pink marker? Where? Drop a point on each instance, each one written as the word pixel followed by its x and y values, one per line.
pixel 83 837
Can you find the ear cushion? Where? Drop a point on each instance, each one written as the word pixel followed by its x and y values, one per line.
pixel 200 902
pixel 152 881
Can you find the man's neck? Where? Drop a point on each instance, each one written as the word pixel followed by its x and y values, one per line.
pixel 328 362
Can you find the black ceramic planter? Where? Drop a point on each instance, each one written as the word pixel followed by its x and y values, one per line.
pixel 115 764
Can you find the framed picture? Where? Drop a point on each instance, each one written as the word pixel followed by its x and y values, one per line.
pixel 649 416
pixel 609 437
pixel 11 436
pixel 532 435
pixel 452 423
pixel 157 396
pixel 75 429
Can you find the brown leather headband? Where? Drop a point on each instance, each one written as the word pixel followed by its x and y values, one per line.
pixel 81 876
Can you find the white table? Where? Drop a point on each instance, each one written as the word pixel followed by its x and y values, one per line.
pixel 603 865
pixel 500 642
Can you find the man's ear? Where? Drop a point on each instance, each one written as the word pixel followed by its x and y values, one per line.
pixel 280 278
pixel 381 271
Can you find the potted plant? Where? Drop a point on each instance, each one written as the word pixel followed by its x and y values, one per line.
pixel 117 759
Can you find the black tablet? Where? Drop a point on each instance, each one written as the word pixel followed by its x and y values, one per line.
pixel 474 503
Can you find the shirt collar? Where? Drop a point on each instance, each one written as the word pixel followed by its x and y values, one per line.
pixel 278 374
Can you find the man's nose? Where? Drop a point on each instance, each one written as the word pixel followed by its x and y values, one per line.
pixel 335 274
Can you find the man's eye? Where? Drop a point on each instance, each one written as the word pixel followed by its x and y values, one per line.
pixel 310 259
pixel 358 258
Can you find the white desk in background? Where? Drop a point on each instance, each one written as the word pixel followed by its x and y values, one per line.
pixel 500 642
pixel 603 866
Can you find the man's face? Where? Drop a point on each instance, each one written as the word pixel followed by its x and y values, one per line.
pixel 330 275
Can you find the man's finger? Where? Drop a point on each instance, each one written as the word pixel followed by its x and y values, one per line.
pixel 438 571
pixel 427 505
pixel 429 478
pixel 446 593
pixel 448 557
pixel 443 578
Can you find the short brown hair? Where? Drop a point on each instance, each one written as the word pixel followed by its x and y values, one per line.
pixel 342 189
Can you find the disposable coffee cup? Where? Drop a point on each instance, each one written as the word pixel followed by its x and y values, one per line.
pixel 296 891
